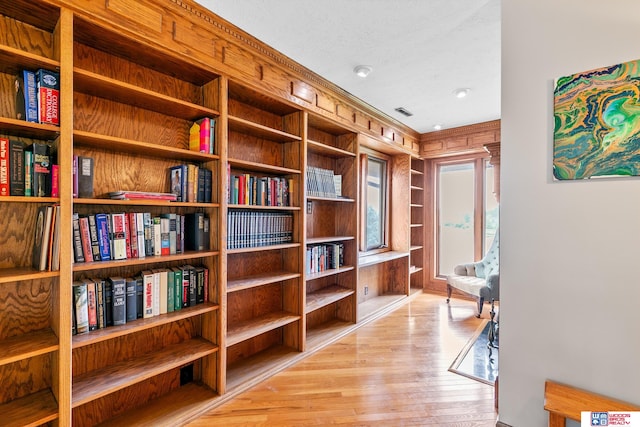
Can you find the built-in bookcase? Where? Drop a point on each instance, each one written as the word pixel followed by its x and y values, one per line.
pixel 263 280
pixel 34 342
pixel 417 249
pixel 332 229
pixel 132 116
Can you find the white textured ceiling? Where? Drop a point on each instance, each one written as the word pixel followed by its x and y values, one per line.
pixel 420 51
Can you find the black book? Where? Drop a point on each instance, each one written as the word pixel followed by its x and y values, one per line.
pixel 186 281
pixel 206 234
pixel 41 183
pixel 208 185
pixel 16 168
pixel 194 231
pixel 199 271
pixel 118 286
pixel 132 303
pixel 108 303
pixel 139 297
pixel 201 185
pixel 85 177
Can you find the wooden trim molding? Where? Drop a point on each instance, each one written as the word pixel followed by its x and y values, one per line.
pixel 461 140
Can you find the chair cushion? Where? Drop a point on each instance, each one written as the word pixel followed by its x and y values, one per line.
pixel 469 284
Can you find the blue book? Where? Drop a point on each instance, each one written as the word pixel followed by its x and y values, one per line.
pixel 102 224
pixel 30 96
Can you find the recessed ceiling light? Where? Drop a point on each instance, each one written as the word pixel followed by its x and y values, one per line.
pixel 461 92
pixel 363 70
pixel 437 127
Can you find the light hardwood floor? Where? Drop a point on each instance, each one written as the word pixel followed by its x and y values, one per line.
pixel 390 372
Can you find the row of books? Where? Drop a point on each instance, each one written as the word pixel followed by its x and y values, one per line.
pixel 323 183
pixel 99 303
pixel 202 135
pixel 27 170
pixel 126 235
pixel 246 189
pixel 46 246
pixel 38 96
pixel 248 229
pixel 191 183
pixel 324 257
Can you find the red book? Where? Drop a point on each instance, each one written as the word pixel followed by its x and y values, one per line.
pixel 48 87
pixel 4 167
pixel 127 235
pixel 241 185
pixel 92 304
pixel 55 184
pixel 133 231
pixel 85 238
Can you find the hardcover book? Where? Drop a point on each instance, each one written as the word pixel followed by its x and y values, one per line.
pixel 78 253
pixel 4 167
pixel 177 302
pixel 178 182
pixel 131 305
pixel 101 305
pixel 102 224
pixel 30 100
pixel 44 218
pixel 194 231
pixel 139 297
pixel 140 230
pixel 147 283
pixel 93 234
pixel 41 184
pixel 55 180
pixel 28 173
pixel 92 304
pixel 85 177
pixel 199 135
pixel 118 286
pixel 81 307
pixel 133 232
pixel 85 238
pixel 118 236
pixel 48 86
pixel 16 168
pixel 108 303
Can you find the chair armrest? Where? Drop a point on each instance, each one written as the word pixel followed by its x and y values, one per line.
pixel 493 283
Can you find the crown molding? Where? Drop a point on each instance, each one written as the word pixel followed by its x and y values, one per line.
pixel 490 126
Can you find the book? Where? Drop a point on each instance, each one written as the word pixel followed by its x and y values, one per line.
pixel 85 177
pixel 148 233
pixel 30 100
pixel 41 178
pixel 100 300
pixel 199 271
pixel 156 234
pixel 40 258
pixel 192 174
pixel 108 303
pixel 16 167
pixel 28 173
pixel 85 238
pixel 131 297
pixel 177 295
pixel 54 248
pixel 4 167
pixel 186 280
pixel 102 225
pixel 118 236
pixel 140 231
pixel 55 180
pixel 156 293
pixel 147 303
pixel 199 135
pixel 118 286
pixel 163 290
pixel 208 185
pixel 133 234
pixel 171 290
pixel 172 219
pixel 127 235
pixel 200 185
pixel 81 307
pixel 194 231
pixel 93 235
pixel 92 304
pixel 20 111
pixel 139 297
pixel 165 241
pixel 141 195
pixel 48 91
pixel 75 176
pixel 177 182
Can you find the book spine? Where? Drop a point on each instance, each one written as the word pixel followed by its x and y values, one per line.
pixel 78 254
pixel 85 177
pixel 16 168
pixel 148 234
pixel 157 236
pixel 193 287
pixel 41 182
pixel 100 300
pixel 28 173
pixel 139 297
pixel 119 300
pixel 147 277
pixel 165 240
pixel 108 303
pixel 55 181
pixel 140 229
pixel 212 136
pixel 118 236
pixel 81 307
pixel 201 187
pixel 102 224
pixel 185 286
pixel 177 303
pixel 127 235
pixel 4 167
pixel 131 305
pixel 133 229
pixel 156 293
pixel 85 238
pixel 199 285
pixel 48 85
pixel 163 291
pixel 30 96
pixel 206 284
pixel 92 305
pixel 171 290
pixel 75 176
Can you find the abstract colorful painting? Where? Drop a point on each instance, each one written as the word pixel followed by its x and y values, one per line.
pixel 597 123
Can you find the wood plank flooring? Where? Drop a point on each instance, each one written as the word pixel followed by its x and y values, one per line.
pixel 390 372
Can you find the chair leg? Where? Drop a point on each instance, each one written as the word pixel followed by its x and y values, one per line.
pixel 480 305
pixel 449 288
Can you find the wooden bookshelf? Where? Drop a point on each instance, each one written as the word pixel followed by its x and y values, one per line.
pixel 26 346
pixel 261 279
pixel 417 256
pixel 32 410
pixel 258 325
pixel 326 296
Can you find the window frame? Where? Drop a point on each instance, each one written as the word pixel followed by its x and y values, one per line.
pixel 479 162
pixel 365 155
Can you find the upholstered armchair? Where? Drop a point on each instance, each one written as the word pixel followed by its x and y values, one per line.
pixel 480 279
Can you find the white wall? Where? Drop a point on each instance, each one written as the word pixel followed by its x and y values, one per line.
pixel 570 251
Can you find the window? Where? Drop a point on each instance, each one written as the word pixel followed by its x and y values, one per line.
pixel 466 212
pixel 375 218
